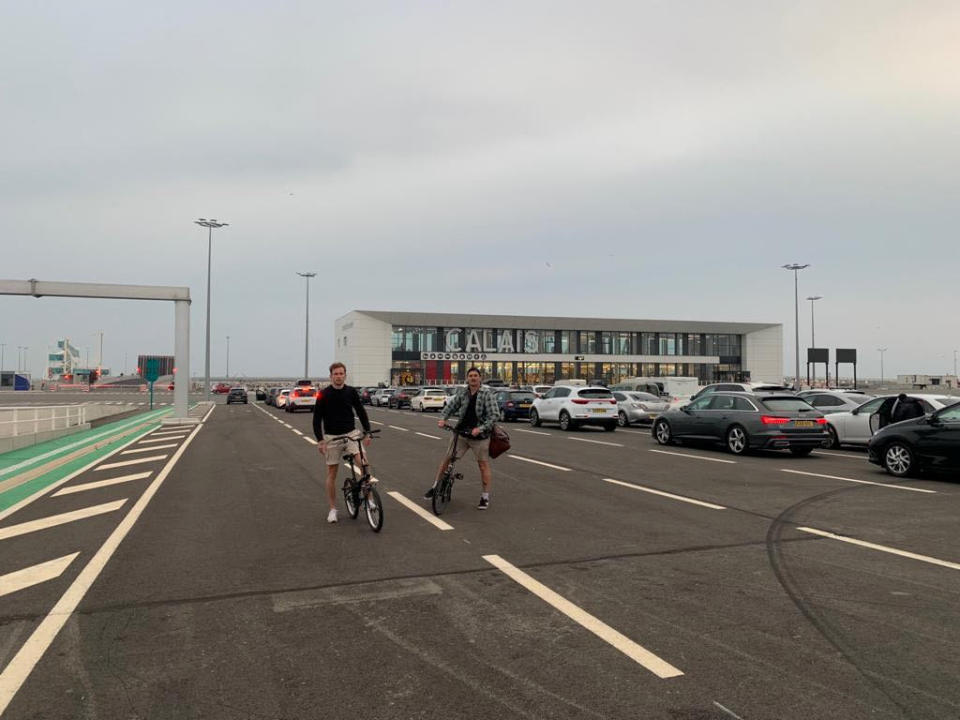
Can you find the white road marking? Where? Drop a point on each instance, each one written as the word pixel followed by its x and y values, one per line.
pixel 846 456
pixel 160 439
pixel 728 711
pixel 310 440
pixel 287 425
pixel 35 574
pixel 432 437
pixel 595 442
pixel 297 431
pixel 410 505
pixel 102 483
pixel 148 449
pixel 376 422
pixel 538 462
pixel 534 432
pixel 61 519
pixel 162 433
pixel 861 482
pixel 398 428
pixel 665 494
pixel 110 466
pixel 695 457
pixel 883 548
pixel 19 668
pixel 659 667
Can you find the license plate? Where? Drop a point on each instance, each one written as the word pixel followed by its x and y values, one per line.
pixel 804 423
pixel 523 406
pixel 652 416
pixel 599 411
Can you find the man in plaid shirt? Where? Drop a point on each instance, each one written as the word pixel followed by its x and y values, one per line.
pixel 476 410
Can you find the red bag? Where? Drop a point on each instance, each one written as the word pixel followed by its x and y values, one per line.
pixel 499 441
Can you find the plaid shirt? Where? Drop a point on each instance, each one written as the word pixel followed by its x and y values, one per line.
pixel 488 410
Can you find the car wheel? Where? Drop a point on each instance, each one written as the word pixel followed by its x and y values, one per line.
pixel 565 422
pixel 662 432
pixel 534 418
pixel 801 451
pixel 832 442
pixel 737 440
pixel 898 459
pixel 622 419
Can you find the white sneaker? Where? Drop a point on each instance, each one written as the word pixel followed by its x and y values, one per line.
pixel 332 516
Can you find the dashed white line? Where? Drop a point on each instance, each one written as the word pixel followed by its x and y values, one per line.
pixel 432 437
pixel 534 432
pixel 69 490
pixel 35 574
pixel 595 442
pixel 538 462
pixel 61 519
pixel 861 482
pixel 376 422
pixel 659 667
pixel 395 427
pixel 310 440
pixel 110 466
pixel 410 505
pixel 882 548
pixel 159 439
pixel 297 431
pixel 681 498
pixel 694 457
pixel 148 449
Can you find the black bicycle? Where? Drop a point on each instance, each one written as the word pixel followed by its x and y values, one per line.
pixel 361 491
pixel 444 488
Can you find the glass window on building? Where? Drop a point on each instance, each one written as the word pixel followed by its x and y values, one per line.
pixel 693 345
pixel 667 369
pixel 567 371
pixel 396 338
pixel 549 341
pixel 648 369
pixel 623 344
pixel 588 341
pixel 568 342
pixel 648 344
pixel 606 343
pixel 668 344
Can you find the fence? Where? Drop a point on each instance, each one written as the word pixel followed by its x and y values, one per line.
pixel 16 421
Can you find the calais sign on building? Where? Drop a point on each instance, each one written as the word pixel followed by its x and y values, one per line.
pixel 480 344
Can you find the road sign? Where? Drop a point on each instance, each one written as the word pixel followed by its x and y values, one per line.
pixel 151 370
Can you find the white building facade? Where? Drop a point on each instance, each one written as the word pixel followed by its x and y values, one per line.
pixel 406 348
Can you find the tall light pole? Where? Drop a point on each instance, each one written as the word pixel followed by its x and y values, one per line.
pixel 796 317
pixel 100 360
pixel 306 338
pixel 228 357
pixel 813 336
pixel 881 351
pixel 210 225
pixel 20 349
pixel 4 345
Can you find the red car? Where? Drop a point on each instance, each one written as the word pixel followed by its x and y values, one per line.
pixel 221 389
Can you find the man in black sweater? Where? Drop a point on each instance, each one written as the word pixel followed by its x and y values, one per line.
pixel 333 414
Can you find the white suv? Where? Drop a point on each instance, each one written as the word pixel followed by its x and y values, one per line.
pixel 575 406
pixel 300 398
pixel 429 399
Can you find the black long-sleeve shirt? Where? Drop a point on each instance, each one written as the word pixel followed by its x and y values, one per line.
pixel 334 410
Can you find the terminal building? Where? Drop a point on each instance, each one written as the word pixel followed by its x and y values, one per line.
pixel 410 348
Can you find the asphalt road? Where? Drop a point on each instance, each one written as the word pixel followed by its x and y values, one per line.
pixel 231 597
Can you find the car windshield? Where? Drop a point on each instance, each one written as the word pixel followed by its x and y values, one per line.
pixel 595 393
pixel 787 404
pixel 644 397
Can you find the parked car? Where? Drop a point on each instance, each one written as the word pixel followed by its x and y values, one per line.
pixel 381 396
pixel 301 398
pixel 400 398
pixel 237 394
pixel 638 407
pixel 931 442
pixel 280 400
pixel 429 399
pixel 572 406
pixel 272 396
pixel 261 393
pixel 831 401
pixel 742 387
pixel 744 422
pixel 366 395
pixel 515 404
pixel 221 388
pixel 857 426
pixel 541 390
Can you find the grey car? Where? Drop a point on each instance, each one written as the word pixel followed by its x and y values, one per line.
pixel 746 421
pixel 834 402
pixel 638 407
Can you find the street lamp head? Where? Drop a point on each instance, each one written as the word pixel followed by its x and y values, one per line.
pixel 212 223
pixel 794 266
pixel 307 274
pixel 815 297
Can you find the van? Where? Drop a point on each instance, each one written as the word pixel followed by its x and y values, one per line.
pixel 676 389
pixel 637 384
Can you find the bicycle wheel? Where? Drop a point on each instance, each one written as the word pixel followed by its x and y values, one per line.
pixel 441 495
pixel 350 498
pixel 374 509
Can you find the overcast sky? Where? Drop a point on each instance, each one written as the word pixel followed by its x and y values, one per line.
pixel 632 159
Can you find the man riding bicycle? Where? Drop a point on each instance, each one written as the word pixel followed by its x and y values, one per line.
pixel 333 412
pixel 476 410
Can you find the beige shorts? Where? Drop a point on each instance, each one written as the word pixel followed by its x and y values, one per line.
pixel 480 447
pixel 337 448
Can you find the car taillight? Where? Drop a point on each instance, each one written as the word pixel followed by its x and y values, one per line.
pixel 612 401
pixel 770 420
pixel 821 421
pixel 509 404
pixel 578 401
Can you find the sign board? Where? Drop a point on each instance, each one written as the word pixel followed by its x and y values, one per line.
pixel 846 355
pixel 151 370
pixel 818 355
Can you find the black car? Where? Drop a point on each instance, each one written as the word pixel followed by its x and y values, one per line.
pixel 237 394
pixel 366 393
pixel 746 421
pixel 515 404
pixel 931 442
pixel 261 393
pixel 271 395
pixel 401 398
